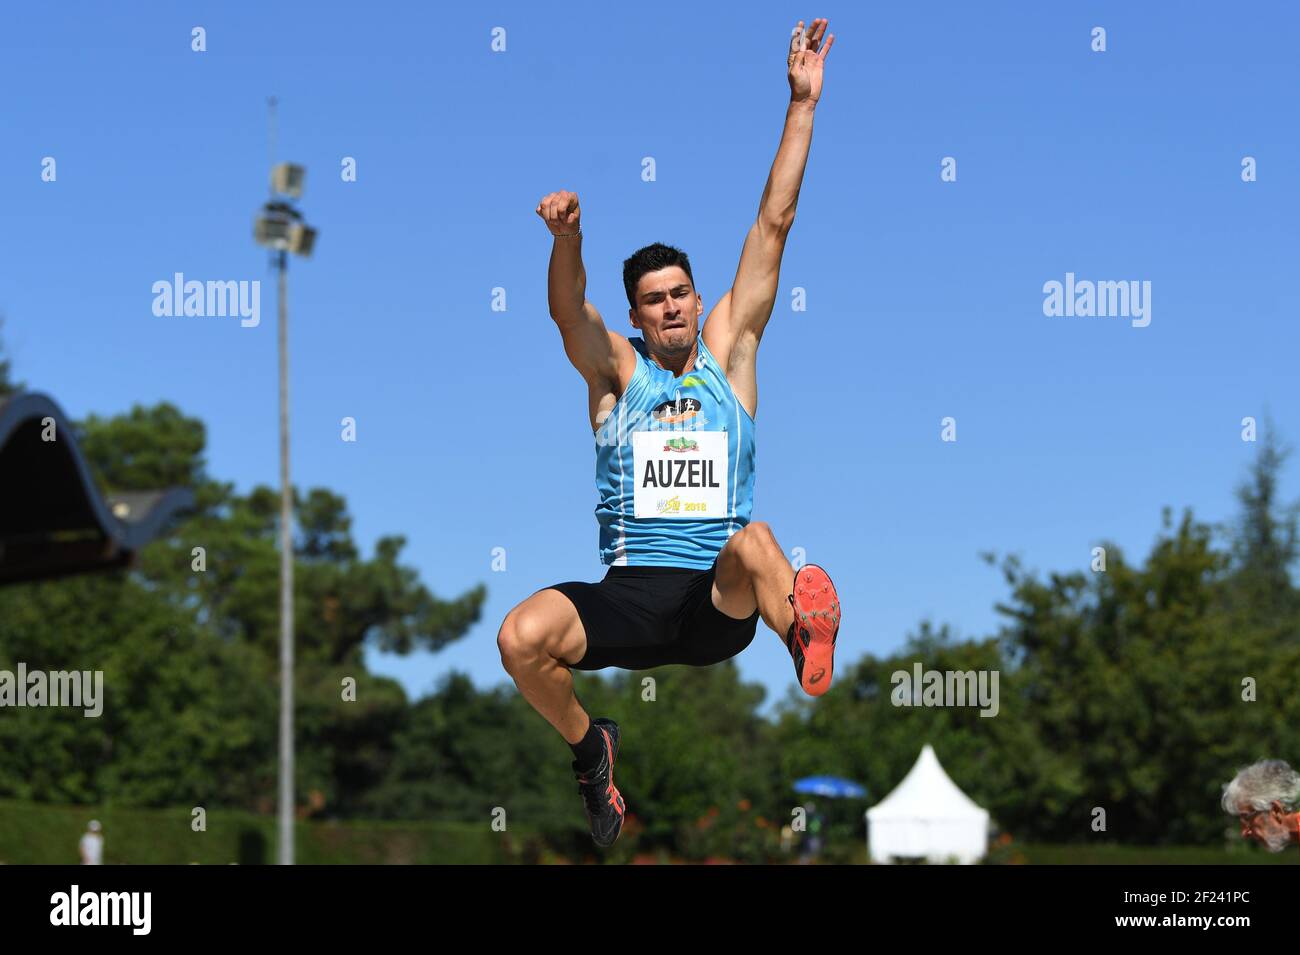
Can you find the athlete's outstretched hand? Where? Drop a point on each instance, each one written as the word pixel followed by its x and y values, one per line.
pixel 560 212
pixel 807 55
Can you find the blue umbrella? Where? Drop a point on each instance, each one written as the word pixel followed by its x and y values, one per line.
pixel 831 786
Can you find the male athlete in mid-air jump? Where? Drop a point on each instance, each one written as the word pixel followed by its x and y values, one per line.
pixel 673 417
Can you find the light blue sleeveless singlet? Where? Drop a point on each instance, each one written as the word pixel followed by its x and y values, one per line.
pixel 674 466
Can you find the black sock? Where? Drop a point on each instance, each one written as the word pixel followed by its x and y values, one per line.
pixel 587 751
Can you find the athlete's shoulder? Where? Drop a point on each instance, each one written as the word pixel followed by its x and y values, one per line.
pixel 718 335
pixel 707 351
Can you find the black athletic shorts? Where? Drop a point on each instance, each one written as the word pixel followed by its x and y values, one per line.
pixel 643 617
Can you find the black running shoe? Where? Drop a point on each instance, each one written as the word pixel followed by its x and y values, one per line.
pixel 604 804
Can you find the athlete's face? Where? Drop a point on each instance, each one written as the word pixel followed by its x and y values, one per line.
pixel 667 310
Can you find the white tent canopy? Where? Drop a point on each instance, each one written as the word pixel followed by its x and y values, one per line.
pixel 926 815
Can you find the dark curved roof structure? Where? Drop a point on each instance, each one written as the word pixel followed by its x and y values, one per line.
pixel 53 520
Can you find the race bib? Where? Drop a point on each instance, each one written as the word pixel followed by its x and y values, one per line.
pixel 680 474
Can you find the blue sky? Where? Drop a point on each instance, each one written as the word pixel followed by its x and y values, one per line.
pixel 924 298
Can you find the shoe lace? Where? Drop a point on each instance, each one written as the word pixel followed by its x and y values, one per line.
pixel 597 790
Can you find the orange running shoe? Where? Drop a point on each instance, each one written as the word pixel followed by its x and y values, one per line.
pixel 811 638
pixel 601 798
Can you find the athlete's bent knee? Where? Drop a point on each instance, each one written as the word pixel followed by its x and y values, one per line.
pixel 756 541
pixel 524 639
pixel 519 640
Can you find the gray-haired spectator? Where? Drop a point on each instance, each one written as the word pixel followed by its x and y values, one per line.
pixel 1265 796
pixel 92 844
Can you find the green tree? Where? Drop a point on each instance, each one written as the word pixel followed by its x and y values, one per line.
pixel 1264 541
pixel 188 640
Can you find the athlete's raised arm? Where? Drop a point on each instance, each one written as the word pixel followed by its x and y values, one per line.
pixel 589 345
pixel 737 321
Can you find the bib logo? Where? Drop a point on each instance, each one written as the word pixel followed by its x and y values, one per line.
pixel 675 505
pixel 681 444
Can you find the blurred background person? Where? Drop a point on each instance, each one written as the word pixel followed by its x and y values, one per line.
pixel 92 844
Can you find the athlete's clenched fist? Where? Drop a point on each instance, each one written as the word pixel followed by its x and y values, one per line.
pixel 560 212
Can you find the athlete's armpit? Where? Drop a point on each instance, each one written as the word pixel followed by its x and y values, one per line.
pixel 603 393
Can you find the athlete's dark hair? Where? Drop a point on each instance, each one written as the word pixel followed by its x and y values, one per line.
pixel 651 259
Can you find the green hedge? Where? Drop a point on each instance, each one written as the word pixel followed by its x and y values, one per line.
pixel 36 833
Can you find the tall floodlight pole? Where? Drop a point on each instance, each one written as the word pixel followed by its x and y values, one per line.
pixel 286 579
pixel 280 227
